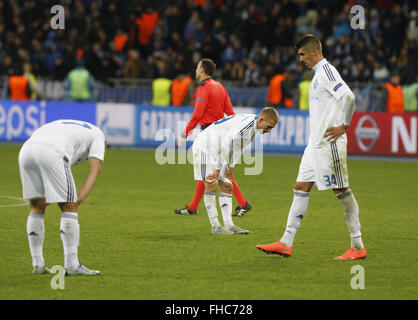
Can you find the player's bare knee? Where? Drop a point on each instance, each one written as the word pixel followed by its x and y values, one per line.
pixel 211 187
pixel 303 186
pixel 338 191
pixel 226 187
pixel 68 206
pixel 38 205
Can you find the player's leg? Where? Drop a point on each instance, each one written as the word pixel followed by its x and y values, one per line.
pixel 211 207
pixel 297 211
pixel 225 202
pixel 340 185
pixel 351 216
pixel 209 199
pixel 70 234
pixel 202 168
pixel 243 205
pixel 32 186
pixel 284 246
pixel 70 237
pixel 210 204
pixel 302 187
pixel 35 228
pixel 60 188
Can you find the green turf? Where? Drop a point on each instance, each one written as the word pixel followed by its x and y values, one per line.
pixel 145 251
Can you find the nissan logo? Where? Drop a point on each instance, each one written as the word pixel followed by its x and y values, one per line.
pixel 367 133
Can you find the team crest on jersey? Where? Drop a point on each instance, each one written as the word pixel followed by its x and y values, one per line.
pixel 315 84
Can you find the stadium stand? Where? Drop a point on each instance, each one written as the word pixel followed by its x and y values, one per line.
pixel 126 47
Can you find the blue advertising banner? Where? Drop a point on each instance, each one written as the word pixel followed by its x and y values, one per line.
pixel 137 125
pixel 18 120
pixel 156 124
pixel 117 121
pixel 290 135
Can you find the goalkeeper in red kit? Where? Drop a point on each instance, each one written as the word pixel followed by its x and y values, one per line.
pixel 212 102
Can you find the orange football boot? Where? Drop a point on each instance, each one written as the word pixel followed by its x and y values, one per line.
pixel 277 248
pixel 352 254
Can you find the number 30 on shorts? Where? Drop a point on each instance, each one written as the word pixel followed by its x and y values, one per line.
pixel 329 181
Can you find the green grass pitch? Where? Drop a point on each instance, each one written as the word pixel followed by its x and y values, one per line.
pixel 145 251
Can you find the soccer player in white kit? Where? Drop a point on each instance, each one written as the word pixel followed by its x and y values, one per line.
pixel 45 161
pixel 212 149
pixel 324 162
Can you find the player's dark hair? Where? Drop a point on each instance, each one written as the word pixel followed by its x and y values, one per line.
pixel 309 40
pixel 208 66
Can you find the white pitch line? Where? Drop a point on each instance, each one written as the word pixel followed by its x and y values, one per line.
pixel 24 202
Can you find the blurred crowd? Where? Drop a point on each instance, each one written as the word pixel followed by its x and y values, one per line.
pixel 250 41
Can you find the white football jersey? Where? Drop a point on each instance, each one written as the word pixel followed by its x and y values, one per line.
pixel 229 136
pixel 78 140
pixel 326 108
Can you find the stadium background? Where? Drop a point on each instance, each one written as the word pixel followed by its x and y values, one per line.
pixel 126 48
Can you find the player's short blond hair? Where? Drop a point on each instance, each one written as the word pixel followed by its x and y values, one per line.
pixel 270 113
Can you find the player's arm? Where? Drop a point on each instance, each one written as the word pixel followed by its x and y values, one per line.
pixel 347 102
pixel 221 165
pixel 344 97
pixel 235 150
pixel 232 147
pixel 91 178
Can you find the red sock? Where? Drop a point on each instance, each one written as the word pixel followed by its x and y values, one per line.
pixel 238 194
pixel 198 194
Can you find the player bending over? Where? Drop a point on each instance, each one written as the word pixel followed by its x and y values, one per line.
pixel 211 149
pixel 45 161
pixel 212 103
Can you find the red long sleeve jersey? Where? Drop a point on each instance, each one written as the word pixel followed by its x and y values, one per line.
pixel 212 102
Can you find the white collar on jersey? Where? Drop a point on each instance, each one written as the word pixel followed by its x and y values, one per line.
pixel 319 64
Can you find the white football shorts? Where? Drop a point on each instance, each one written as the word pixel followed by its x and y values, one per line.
pixel 45 172
pixel 204 164
pixel 326 166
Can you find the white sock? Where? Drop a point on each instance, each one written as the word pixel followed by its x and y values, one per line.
pixel 225 202
pixel 351 215
pixel 210 204
pixel 296 214
pixel 36 234
pixel 70 236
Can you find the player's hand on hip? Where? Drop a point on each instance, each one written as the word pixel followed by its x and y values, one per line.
pixel 332 134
